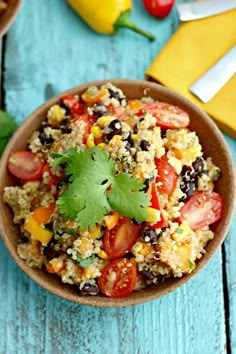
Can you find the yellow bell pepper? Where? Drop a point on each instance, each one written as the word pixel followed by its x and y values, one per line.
pixel 37 231
pixel 107 16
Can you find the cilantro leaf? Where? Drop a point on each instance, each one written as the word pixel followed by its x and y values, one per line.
pixel 78 204
pixel 94 188
pixel 84 262
pixel 63 158
pixel 93 164
pixel 126 198
pixel 8 126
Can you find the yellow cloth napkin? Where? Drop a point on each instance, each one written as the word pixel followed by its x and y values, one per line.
pixel 190 52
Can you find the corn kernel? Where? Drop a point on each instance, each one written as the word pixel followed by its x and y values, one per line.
pixel 101 145
pixel 146 249
pixel 96 131
pixel 95 232
pixel 87 273
pixel 115 139
pixel 55 115
pixel 90 140
pixel 84 244
pixel 137 247
pixel 153 215
pixel 102 121
pixel 102 254
pixel 134 137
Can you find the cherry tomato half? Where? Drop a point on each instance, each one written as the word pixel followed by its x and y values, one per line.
pixel 167 116
pixel 118 278
pixel 202 209
pixel 167 177
pixel 156 205
pixel 121 238
pixel 25 165
pixel 158 8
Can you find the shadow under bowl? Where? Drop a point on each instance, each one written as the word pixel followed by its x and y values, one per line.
pixel 213 145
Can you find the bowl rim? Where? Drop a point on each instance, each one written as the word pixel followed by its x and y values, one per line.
pixel 127 301
pixel 14 12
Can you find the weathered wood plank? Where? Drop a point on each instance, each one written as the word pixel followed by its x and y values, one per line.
pixel 230 249
pixel 60 52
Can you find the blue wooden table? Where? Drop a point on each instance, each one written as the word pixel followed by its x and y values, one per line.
pixel 47 50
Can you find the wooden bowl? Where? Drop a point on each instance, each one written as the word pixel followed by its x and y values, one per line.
pixel 8 16
pixel 213 145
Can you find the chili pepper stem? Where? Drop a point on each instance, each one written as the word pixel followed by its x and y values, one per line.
pixel 125 21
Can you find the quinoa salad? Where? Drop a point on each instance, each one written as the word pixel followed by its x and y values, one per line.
pixel 114 194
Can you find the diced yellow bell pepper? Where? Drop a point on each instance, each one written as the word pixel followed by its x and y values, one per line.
pixel 37 231
pixel 190 154
pixel 181 232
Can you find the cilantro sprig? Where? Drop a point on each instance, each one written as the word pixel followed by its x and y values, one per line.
pixel 94 188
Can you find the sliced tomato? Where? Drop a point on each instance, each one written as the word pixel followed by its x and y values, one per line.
pixel 25 165
pixel 118 278
pixel 202 209
pixel 121 238
pixel 167 115
pixel 167 177
pixel 88 120
pixel 156 205
pixel 75 106
pixel 117 111
pixel 53 179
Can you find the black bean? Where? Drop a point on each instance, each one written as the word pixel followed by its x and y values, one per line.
pixel 63 181
pixel 128 137
pixel 116 94
pixel 115 128
pixel 50 252
pixel 149 235
pixel 45 139
pixel 147 183
pixel 128 147
pixel 144 145
pixel 99 110
pixel 43 126
pixel 163 133
pixel 65 126
pixel 147 275
pixel 198 165
pixel 23 238
pixel 89 289
pixel 128 255
pixel 188 189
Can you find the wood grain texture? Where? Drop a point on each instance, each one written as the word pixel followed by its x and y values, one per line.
pixel 49 49
pixel 230 249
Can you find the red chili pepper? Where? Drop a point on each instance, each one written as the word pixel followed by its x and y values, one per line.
pixel 158 8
